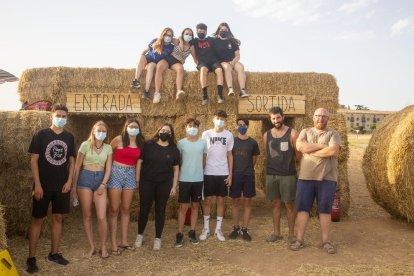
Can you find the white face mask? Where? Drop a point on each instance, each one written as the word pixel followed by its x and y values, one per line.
pixel 218 123
pixel 167 39
pixel 192 131
pixel 100 135
pixel 187 38
pixel 59 122
pixel 133 131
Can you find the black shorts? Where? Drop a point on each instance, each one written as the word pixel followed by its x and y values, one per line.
pixel 171 61
pixel 243 184
pixel 60 204
pixel 210 66
pixel 150 59
pixel 190 191
pixel 215 185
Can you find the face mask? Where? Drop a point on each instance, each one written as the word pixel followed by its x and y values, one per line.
pixel 223 34
pixel 59 122
pixel 167 39
pixel 164 136
pixel 100 135
pixel 192 131
pixel 218 123
pixel 133 131
pixel 187 38
pixel 242 130
pixel 201 35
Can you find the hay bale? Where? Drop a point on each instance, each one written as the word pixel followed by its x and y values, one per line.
pixel 3 238
pixel 387 164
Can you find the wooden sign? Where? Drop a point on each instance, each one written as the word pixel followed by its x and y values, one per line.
pixel 103 103
pixel 261 104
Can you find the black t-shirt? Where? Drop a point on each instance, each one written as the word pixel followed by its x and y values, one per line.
pixel 158 162
pixel 225 49
pixel 54 151
pixel 243 152
pixel 204 50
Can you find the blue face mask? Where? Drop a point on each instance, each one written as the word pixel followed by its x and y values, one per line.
pixel 242 130
pixel 59 122
pixel 192 131
pixel 133 131
pixel 218 123
pixel 100 135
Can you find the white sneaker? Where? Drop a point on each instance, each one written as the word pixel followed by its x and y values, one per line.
pixel 219 235
pixel 157 244
pixel 204 234
pixel 157 97
pixel 139 240
pixel 231 92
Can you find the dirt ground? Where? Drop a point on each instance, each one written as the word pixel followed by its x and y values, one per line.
pixel 369 242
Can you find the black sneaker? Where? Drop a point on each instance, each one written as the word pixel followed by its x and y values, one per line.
pixel 57 258
pixel 192 236
pixel 245 234
pixel 146 95
pixel 179 240
pixel 135 84
pixel 205 100
pixel 31 265
pixel 235 233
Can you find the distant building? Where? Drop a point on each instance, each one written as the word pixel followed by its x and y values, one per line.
pixel 368 119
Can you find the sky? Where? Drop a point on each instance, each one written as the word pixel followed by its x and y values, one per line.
pixel 367 45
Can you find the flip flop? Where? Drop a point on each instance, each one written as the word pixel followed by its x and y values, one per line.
pixel 127 247
pixel 116 252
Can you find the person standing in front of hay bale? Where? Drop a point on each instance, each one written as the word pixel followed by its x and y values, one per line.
pixel 227 51
pixel 175 61
pixel 193 151
pixel 318 177
pixel 127 149
pixel 281 154
pixel 206 61
pixel 52 163
pixel 245 152
pixel 157 175
pixel 92 172
pixel 156 50
pixel 218 171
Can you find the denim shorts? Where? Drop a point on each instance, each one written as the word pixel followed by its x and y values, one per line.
pixel 122 178
pixel 90 179
pixel 323 191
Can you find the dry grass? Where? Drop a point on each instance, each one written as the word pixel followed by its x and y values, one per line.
pixel 3 238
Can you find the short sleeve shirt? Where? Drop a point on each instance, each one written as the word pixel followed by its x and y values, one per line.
pixel 167 50
pixel 91 157
pixel 204 50
pixel 318 168
pixel 243 152
pixel 54 151
pixel 192 159
pixel 218 144
pixel 225 49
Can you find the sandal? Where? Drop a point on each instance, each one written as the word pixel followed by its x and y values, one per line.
pixel 329 247
pixel 274 238
pixel 116 252
pixel 127 247
pixel 297 245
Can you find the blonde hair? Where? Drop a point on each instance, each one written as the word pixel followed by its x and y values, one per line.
pixel 91 138
pixel 158 45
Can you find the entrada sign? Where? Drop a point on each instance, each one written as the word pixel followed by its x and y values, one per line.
pixel 103 103
pixel 261 104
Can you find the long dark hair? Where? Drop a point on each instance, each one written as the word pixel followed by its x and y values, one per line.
pixel 230 36
pixel 125 137
pixel 171 140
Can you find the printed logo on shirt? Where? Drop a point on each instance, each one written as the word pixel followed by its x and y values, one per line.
pixel 204 44
pixel 229 46
pixel 273 149
pixel 56 152
pixel 218 140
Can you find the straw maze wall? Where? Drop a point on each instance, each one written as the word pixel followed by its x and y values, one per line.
pixel 54 83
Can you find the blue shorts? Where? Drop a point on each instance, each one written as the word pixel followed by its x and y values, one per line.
pixel 307 190
pixel 122 178
pixel 243 184
pixel 90 180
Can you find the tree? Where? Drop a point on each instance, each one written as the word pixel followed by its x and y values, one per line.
pixel 361 107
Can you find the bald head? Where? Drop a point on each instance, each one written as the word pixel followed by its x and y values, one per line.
pixel 320 118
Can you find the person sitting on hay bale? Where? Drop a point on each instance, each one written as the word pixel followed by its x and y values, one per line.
pixel 206 61
pixel 52 162
pixel 318 177
pixel 227 51
pixel 127 149
pixel 157 175
pixel 175 61
pixel 89 184
pixel 157 49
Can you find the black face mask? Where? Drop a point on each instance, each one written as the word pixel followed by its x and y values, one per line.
pixel 224 34
pixel 201 35
pixel 164 136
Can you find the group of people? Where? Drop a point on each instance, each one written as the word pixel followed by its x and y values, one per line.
pixel 219 54
pixel 215 164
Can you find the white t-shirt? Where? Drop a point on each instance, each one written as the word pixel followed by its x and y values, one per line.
pixel 218 144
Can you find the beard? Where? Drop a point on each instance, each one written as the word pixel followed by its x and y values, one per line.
pixel 320 126
pixel 278 125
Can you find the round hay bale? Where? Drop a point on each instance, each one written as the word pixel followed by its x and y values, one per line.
pixel 388 164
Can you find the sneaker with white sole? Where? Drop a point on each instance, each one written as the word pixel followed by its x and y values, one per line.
pixel 157 244
pixel 180 95
pixel 139 240
pixel 136 84
pixel 219 235
pixel 231 92
pixel 204 234
pixel 157 97
pixel 243 94
pixel 220 99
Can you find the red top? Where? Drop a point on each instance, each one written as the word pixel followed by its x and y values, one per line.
pixel 127 156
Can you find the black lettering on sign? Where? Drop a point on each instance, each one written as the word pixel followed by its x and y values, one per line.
pixel 97 101
pixel 104 102
pixel 129 103
pixel 113 103
pixel 263 103
pixel 77 102
pixel 85 101
pixel 121 102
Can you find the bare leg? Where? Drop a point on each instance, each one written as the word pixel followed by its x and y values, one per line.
pixel 181 216
pixel 325 221
pixel 291 216
pixel 227 73
pixel 86 198
pixel 34 234
pixel 194 214
pixel 56 232
pixel 203 76
pixel 247 211
pixel 235 210
pixel 179 69
pixel 114 203
pixel 241 74
pixel 301 222
pixel 220 206
pixel 162 65
pixel 140 67
pixel 126 203
pixel 150 74
pixel 219 75
pixel 276 216
pixel 100 206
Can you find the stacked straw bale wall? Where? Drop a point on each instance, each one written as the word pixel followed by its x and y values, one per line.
pixel 3 238
pixel 388 164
